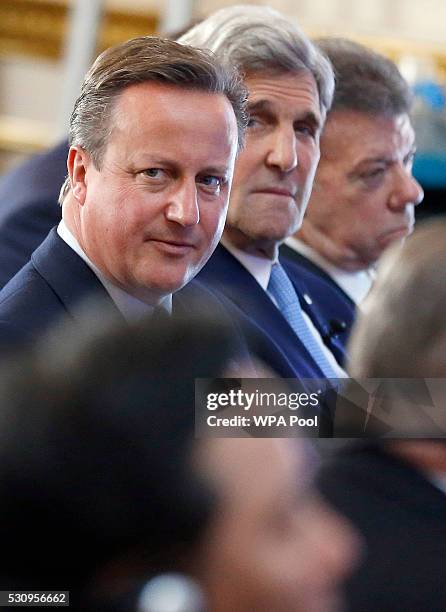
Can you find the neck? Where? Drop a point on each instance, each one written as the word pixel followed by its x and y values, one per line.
pixel 337 254
pixel 259 248
pixel 72 220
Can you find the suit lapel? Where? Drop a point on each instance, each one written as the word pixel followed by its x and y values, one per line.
pixel 226 274
pixel 68 275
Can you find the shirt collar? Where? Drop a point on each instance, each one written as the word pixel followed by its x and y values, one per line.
pixel 130 307
pixel 258 267
pixel 355 284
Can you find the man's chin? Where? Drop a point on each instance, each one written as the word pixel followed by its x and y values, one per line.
pixel 396 235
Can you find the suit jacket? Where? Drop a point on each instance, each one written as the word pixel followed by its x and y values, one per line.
pixel 55 282
pixel 281 349
pixel 335 309
pixel 402 517
pixel 29 208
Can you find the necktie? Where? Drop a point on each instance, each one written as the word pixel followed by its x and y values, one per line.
pixel 281 289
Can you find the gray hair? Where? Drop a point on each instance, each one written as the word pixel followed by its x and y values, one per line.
pixel 260 39
pixel 366 81
pixel 401 330
pixel 140 60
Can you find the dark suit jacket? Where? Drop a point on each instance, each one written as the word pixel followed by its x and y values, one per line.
pixel 29 208
pixel 402 517
pixel 335 309
pixel 282 350
pixel 54 284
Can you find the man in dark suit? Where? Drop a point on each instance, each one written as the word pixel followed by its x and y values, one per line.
pixel 29 207
pixel 143 208
pixel 291 86
pixel 394 492
pixel 364 193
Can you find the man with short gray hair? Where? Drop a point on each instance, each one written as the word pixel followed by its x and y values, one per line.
pixel 290 85
pixel 143 206
pixel 364 193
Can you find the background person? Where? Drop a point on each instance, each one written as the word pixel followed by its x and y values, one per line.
pixel 290 87
pixel 102 477
pixel 364 194
pixel 394 491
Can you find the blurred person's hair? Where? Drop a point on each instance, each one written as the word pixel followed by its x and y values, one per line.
pixel 141 60
pixel 259 39
pixel 401 329
pixel 366 81
pixel 96 451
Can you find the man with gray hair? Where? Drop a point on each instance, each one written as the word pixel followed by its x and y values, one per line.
pixel 290 87
pixel 364 193
pixel 143 206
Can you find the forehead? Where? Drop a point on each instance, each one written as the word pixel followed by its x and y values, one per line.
pixel 295 91
pixel 351 137
pixel 155 117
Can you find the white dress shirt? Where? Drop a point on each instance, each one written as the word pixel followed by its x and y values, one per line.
pixel 131 307
pixel 260 269
pixel 355 284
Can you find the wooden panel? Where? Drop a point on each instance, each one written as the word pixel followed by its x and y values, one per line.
pixel 38 27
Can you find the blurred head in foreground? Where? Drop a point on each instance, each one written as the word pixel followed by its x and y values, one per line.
pixel 401 333
pixel 101 476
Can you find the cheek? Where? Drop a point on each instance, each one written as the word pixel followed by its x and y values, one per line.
pixel 247 162
pixel 308 158
pixel 212 219
pixel 370 214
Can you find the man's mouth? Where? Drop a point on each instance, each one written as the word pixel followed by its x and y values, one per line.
pixel 397 233
pixel 278 191
pixel 174 247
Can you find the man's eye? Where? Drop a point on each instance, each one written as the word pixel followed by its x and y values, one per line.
pixel 305 129
pixel 375 172
pixel 153 173
pixel 211 183
pixel 253 122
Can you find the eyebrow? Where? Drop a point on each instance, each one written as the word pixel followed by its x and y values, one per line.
pixel 382 159
pixel 163 162
pixel 222 170
pixel 265 106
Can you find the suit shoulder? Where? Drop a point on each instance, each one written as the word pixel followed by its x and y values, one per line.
pixel 28 306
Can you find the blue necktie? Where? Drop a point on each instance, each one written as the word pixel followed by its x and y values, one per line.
pixel 281 289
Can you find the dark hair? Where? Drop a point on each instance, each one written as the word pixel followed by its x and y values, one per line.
pixel 366 81
pixel 96 450
pixel 140 60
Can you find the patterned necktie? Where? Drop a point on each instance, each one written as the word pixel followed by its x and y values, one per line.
pixel 281 289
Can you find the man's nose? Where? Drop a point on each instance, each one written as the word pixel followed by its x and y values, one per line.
pixel 407 190
pixel 283 150
pixel 182 207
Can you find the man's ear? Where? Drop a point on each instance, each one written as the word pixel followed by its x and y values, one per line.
pixel 78 162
